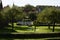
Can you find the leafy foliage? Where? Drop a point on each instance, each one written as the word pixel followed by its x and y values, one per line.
pixel 49 15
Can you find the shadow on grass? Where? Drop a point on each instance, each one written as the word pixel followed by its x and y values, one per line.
pixel 6 30
pixel 7 39
pixel 23 28
pixel 52 39
pixel 17 39
pixel 56 30
pixel 29 39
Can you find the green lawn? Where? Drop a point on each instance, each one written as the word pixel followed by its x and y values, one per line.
pixel 28 29
pixel 39 29
pixel 33 39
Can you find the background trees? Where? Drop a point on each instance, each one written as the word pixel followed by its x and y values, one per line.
pixel 27 9
pixel 1 20
pixel 12 15
pixel 50 16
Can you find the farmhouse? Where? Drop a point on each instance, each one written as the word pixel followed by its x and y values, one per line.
pixel 25 21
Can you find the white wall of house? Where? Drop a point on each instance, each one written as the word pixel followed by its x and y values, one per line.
pixel 26 23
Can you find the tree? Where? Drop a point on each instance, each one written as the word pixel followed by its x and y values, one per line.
pixel 1 20
pixel 11 15
pixel 27 9
pixel 50 15
pixel 33 17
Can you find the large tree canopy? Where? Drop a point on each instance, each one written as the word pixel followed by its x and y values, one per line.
pixel 49 15
pixel 11 15
pixel 28 8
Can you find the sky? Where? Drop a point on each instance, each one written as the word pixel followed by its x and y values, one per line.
pixel 31 2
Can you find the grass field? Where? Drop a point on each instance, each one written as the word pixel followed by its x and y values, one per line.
pixel 33 39
pixel 28 29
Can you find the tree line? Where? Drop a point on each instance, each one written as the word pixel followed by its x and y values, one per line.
pixel 47 14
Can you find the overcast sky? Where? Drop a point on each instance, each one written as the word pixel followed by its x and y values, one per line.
pixel 32 2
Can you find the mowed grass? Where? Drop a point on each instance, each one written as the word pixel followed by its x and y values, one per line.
pixel 28 29
pixel 23 39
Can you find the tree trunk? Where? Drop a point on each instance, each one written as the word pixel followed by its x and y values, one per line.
pixel 48 26
pixel 12 23
pixel 53 26
pixel 35 28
